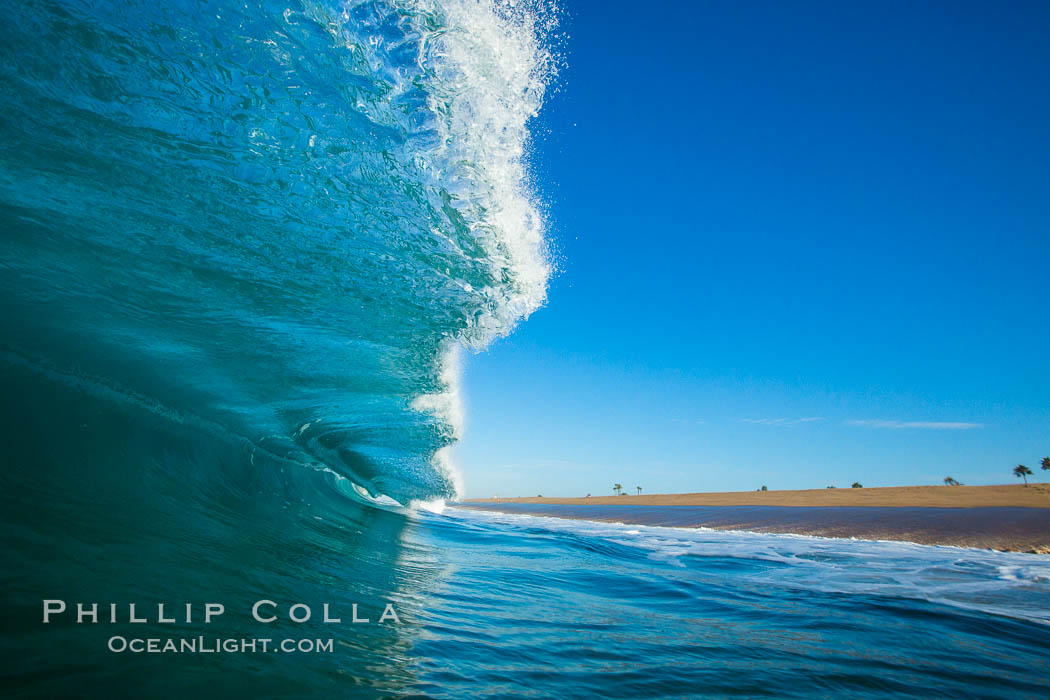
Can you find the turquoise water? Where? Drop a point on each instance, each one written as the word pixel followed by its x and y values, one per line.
pixel 279 221
pixel 101 501
pixel 242 247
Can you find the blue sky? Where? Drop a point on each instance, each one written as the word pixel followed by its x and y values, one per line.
pixel 800 244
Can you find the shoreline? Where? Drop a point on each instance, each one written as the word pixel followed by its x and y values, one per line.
pixel 1035 495
pixel 1024 530
pixel 1007 518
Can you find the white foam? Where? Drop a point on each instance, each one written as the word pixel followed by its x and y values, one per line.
pixel 436 506
pixel 489 73
pixel 492 67
pixel 447 406
pixel 1001 583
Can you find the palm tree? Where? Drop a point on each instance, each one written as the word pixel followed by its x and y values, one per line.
pixel 1023 472
pixel 948 481
pixel 617 488
pixel 857 485
pixel 639 488
pixel 1046 463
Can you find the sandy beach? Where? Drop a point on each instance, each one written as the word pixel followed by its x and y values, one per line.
pixel 1007 517
pixel 1005 495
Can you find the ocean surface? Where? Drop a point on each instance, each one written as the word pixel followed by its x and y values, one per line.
pixel 243 245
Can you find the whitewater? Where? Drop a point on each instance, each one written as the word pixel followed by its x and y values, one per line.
pixel 244 246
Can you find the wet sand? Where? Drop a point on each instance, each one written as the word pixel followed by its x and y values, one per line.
pixel 1011 517
pixel 1007 495
pixel 1010 529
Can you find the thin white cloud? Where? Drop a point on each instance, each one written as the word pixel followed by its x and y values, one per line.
pixel 914 424
pixel 782 422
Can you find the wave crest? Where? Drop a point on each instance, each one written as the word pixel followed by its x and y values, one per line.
pixel 281 219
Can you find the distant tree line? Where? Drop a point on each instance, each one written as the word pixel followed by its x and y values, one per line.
pixel 1020 471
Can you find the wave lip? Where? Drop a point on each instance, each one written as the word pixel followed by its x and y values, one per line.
pixel 282 220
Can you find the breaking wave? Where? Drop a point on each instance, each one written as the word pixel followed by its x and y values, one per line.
pixel 280 220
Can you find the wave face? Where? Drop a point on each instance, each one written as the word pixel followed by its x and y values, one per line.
pixel 276 222
pixel 242 244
